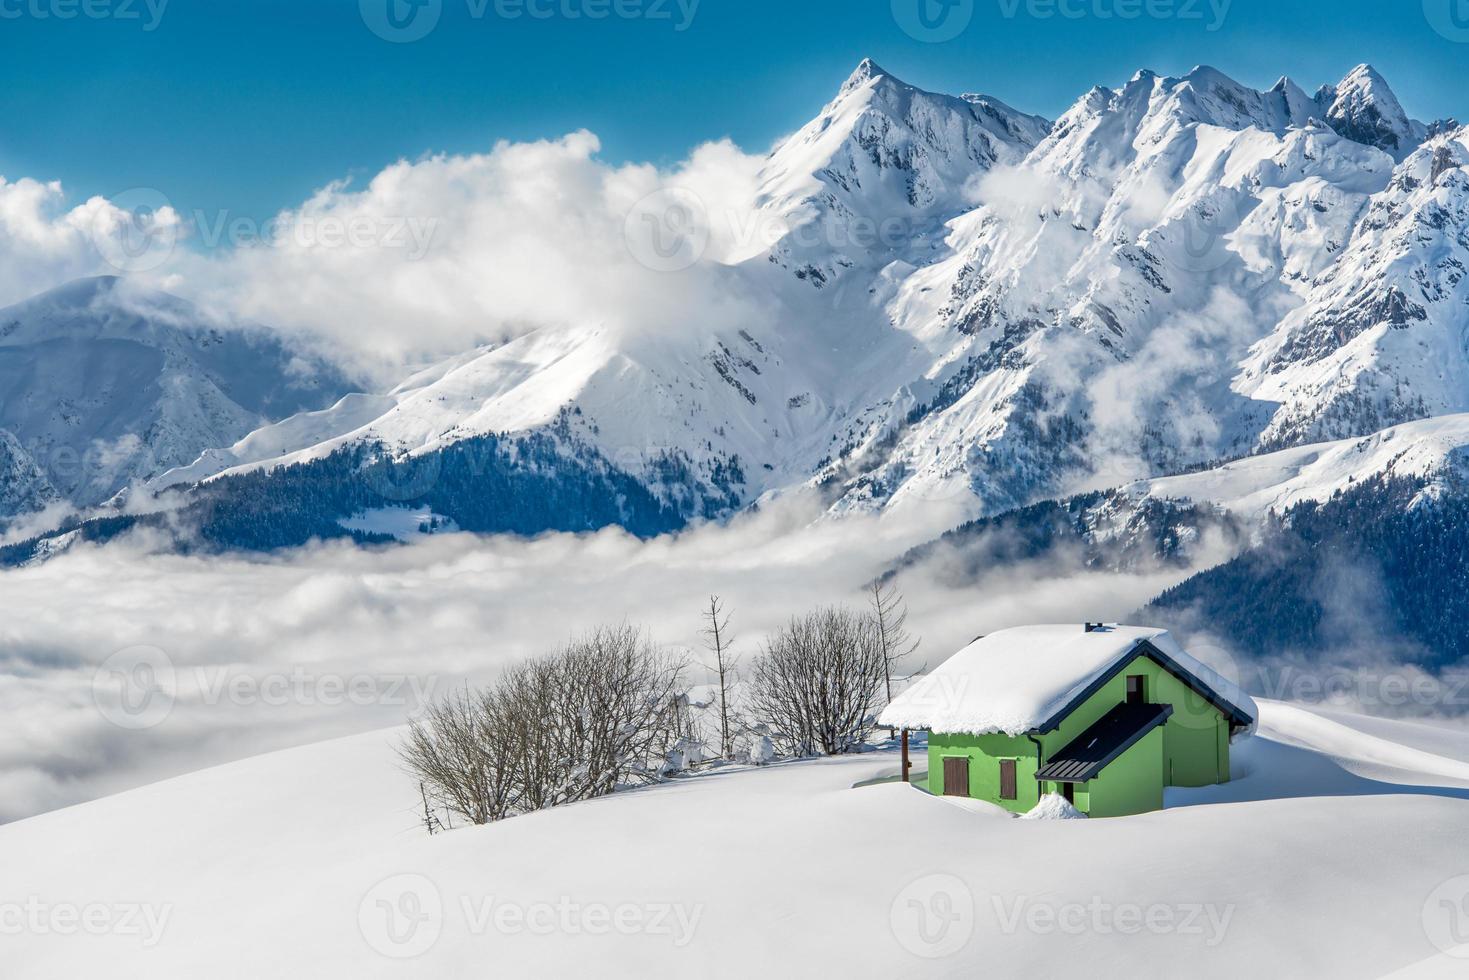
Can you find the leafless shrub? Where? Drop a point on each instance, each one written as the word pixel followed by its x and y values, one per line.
pixel 460 760
pixel 816 685
pixel 617 711
pixel 602 712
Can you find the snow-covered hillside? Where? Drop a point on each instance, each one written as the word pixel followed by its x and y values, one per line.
pixel 1430 449
pixel 311 862
pixel 103 384
pixel 969 306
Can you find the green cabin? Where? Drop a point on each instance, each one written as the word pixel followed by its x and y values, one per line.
pixel 1105 716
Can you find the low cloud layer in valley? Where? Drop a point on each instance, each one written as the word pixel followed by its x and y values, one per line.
pixel 267 653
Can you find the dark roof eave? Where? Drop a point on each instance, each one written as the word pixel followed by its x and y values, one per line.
pixel 1238 718
pixel 1165 711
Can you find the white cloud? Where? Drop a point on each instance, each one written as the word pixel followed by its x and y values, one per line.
pixel 433 256
pixel 428 258
pixel 42 242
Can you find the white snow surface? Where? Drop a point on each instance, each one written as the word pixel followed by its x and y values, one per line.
pixel 1015 680
pixel 1276 481
pixel 1053 806
pixel 296 864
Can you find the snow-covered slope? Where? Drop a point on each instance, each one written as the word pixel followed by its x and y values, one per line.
pixel 24 487
pixel 311 862
pixel 1251 487
pixel 103 384
pixel 1381 337
pixel 1105 289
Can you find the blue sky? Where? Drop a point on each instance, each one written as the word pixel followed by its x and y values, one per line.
pixel 248 105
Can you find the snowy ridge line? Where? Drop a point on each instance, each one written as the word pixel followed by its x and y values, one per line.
pixel 1176 271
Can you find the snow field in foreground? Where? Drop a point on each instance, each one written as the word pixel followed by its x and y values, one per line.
pixel 1336 852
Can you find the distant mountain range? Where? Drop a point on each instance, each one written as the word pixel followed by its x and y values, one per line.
pixel 103 386
pixel 968 305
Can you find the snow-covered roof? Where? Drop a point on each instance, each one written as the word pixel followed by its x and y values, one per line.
pixel 1025 679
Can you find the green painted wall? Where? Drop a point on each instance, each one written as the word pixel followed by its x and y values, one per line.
pixel 1131 784
pixel 1195 739
pixel 985 752
pixel 1192 749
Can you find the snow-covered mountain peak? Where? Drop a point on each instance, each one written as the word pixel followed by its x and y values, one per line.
pixel 1362 107
pixel 865 71
pixel 883 165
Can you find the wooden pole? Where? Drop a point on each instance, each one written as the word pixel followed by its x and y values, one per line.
pixel 905 755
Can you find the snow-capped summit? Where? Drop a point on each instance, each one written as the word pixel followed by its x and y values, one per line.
pixel 1362 107
pixel 881 167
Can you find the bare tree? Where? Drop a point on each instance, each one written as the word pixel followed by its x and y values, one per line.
pixel 458 759
pixel 717 638
pixel 890 613
pixel 817 682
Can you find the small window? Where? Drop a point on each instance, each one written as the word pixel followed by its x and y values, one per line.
pixel 1007 780
pixel 1137 689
